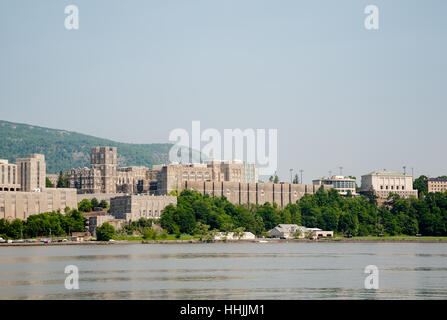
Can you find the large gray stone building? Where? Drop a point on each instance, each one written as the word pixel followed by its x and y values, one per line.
pixel 134 207
pixel 23 190
pixel 104 175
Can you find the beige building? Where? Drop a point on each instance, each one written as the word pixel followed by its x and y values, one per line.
pixel 9 180
pixel 27 178
pixel 134 207
pixel 104 176
pixel 32 172
pixel 436 184
pixel 95 221
pixel 386 182
pixel 172 177
pixel 20 205
pixel 340 183
pixel 256 193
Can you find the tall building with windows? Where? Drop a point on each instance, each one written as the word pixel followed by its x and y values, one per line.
pixel 340 183
pixel 32 173
pixel 8 176
pixel 385 182
pixel 104 159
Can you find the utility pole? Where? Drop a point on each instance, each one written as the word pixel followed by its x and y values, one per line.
pixel 412 172
pixel 291 176
pixel 405 170
pixel 301 171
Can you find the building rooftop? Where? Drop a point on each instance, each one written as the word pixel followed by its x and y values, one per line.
pixel 437 179
pixel 386 172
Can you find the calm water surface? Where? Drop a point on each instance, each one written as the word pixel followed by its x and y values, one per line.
pixel 226 271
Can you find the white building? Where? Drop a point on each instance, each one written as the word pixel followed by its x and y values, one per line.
pixel 234 236
pixel 386 182
pixel 289 231
pixel 340 183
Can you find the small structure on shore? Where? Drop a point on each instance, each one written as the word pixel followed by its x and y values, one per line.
pixel 290 231
pixel 234 236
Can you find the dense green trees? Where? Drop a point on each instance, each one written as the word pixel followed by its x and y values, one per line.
pixel 62 180
pixel 43 225
pixel 87 205
pixel 328 210
pixel 105 232
pixel 420 185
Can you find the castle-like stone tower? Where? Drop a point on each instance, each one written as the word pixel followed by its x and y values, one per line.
pixel 104 159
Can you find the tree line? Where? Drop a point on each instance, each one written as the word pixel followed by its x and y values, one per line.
pixel 327 210
pixel 43 225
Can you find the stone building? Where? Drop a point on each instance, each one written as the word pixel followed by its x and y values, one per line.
pixel 134 207
pixel 385 182
pixel 436 184
pixel 20 205
pixel 104 176
pixel 173 176
pixel 23 189
pixel 32 172
pixel 256 193
pixel 9 180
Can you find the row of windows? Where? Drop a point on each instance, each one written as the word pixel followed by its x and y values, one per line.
pixel 8 176
pixel 194 175
pixel 392 187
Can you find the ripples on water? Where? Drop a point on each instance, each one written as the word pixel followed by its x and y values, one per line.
pixel 226 271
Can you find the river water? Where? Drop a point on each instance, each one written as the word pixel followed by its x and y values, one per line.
pixel 226 271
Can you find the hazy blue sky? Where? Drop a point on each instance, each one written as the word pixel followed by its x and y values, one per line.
pixel 338 94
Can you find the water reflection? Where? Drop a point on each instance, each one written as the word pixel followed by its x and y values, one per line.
pixel 226 271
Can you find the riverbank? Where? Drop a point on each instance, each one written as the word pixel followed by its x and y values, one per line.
pixel 396 239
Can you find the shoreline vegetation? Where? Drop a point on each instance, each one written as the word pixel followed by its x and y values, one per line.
pixel 139 240
pixel 202 217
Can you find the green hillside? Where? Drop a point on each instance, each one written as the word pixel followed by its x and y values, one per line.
pixel 64 150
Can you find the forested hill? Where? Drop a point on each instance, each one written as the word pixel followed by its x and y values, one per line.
pixel 64 150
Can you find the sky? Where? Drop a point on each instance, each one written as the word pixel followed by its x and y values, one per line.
pixel 338 94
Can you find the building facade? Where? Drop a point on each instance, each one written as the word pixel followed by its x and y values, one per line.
pixel 340 183
pixel 32 173
pixel 20 205
pixel 436 184
pixel 9 180
pixel 257 193
pixel 385 182
pixel 104 176
pixel 134 207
